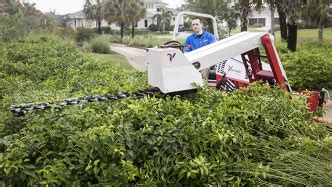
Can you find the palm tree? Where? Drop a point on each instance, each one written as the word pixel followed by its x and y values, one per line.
pixel 136 12
pixel 93 10
pixel 163 18
pixel 244 7
pixel 117 11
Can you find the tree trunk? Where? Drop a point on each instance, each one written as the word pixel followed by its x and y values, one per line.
pixel 282 22
pixel 320 32
pixel 244 12
pixel 99 27
pixel 272 9
pixel 132 30
pixel 292 37
pixel 244 25
pixel 121 29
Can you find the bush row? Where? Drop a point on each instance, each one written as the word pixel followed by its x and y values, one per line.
pixel 310 67
pixel 254 136
pixel 36 71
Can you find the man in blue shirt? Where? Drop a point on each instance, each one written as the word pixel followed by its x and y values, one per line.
pixel 198 39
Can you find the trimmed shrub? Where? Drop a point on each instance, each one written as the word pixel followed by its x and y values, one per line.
pixel 254 136
pixel 128 32
pixel 84 34
pixel 65 33
pixel 153 28
pixel 310 67
pixel 104 30
pixel 99 45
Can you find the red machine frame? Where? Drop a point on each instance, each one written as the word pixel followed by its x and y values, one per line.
pixel 253 67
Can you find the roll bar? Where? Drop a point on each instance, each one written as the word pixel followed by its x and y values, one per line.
pixel 181 14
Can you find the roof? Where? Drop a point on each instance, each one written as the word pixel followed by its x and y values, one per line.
pixel 78 15
pixel 174 11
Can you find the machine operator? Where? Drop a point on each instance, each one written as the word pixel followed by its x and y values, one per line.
pixel 198 39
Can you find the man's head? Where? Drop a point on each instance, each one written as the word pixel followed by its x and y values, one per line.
pixel 197 25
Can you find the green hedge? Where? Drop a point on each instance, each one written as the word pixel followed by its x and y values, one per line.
pixel 310 67
pixel 254 136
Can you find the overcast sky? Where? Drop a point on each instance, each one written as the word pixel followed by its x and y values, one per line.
pixel 70 6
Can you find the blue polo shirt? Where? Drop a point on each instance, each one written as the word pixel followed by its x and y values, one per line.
pixel 195 42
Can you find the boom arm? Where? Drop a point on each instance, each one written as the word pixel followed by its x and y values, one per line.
pixel 225 49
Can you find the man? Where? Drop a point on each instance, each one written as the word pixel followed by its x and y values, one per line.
pixel 198 39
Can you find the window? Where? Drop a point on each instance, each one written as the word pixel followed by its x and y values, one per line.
pixel 146 23
pixel 262 21
pixel 252 21
pixel 158 9
pixel 257 21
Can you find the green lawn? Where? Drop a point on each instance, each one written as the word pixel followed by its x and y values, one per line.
pixel 304 35
pixel 250 29
pixel 112 58
pixel 310 35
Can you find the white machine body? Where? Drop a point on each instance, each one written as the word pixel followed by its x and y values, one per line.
pixel 171 71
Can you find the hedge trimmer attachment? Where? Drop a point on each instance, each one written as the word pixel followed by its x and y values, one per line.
pixel 22 109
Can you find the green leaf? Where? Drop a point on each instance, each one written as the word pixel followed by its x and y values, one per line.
pixel 7 170
pixel 95 163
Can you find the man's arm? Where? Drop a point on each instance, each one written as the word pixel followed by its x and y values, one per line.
pixel 188 42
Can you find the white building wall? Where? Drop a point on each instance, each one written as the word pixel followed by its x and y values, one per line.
pixel 266 14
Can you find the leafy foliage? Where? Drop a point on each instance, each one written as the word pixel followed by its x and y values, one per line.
pixel 10 27
pixel 17 19
pixel 84 34
pixel 93 11
pixel 220 9
pixel 163 19
pixel 99 45
pixel 153 27
pixel 317 11
pixel 254 136
pixel 310 67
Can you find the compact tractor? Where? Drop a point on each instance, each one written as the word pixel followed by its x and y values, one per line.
pixel 236 60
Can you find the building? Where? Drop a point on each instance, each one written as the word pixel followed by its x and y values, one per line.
pixel 260 18
pixel 153 7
